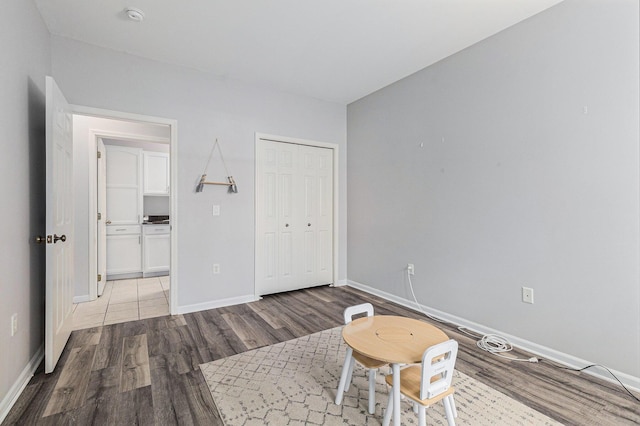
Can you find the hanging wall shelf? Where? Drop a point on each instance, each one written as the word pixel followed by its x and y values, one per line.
pixel 231 183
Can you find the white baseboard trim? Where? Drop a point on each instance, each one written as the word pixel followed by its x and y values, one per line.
pixel 81 299
pixel 540 350
pixel 340 283
pixel 23 380
pixel 187 309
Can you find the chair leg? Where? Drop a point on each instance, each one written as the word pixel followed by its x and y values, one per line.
pixel 448 411
pixel 422 415
pixel 387 413
pixel 453 406
pixel 352 362
pixel 343 377
pixel 350 375
pixel 372 390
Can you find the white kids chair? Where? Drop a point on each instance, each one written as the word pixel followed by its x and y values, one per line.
pixel 369 363
pixel 429 383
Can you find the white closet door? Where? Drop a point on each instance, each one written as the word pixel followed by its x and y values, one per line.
pixel 266 215
pixel 324 216
pixel 277 258
pixel 316 200
pixel 294 212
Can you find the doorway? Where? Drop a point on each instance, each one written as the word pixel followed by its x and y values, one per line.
pixel 116 236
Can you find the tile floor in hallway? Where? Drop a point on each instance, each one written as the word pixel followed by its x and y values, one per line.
pixel 124 300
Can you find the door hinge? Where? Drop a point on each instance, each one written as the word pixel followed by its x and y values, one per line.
pixel 99 154
pixel 99 277
pixel 99 216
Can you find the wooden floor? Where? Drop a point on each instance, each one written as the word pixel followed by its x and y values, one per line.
pixel 146 371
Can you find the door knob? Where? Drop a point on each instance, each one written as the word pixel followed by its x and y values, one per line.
pixel 308 224
pixel 62 238
pixel 40 239
pixel 286 225
pixel 108 222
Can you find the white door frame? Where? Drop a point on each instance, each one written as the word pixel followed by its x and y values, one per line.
pixel 94 135
pixel 285 139
pixel 101 227
pixel 173 197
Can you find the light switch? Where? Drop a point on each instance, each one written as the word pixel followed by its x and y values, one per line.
pixel 216 210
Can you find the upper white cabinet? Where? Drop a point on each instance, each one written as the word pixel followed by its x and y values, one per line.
pixel 124 185
pixel 156 173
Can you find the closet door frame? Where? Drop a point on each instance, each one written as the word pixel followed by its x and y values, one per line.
pixel 259 137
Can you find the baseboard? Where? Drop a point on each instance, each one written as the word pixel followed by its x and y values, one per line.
pixel 187 309
pixel 128 276
pixel 23 380
pixel 540 350
pixel 81 299
pixel 155 274
pixel 340 283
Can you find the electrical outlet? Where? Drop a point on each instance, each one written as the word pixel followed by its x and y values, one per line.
pixel 527 295
pixel 216 210
pixel 14 324
pixel 216 268
pixel 411 269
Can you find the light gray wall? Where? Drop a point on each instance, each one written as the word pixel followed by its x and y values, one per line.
pixel 83 144
pixel 517 184
pixel 205 108
pixel 26 59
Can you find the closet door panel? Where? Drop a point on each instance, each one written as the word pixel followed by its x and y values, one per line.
pixel 267 224
pixel 324 216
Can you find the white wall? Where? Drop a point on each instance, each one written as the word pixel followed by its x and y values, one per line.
pixel 205 108
pixel 26 59
pixel 517 183
pixel 84 130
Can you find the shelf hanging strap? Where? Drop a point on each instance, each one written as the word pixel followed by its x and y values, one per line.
pixel 231 184
pixel 216 144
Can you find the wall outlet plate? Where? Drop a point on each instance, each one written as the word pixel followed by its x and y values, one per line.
pixel 216 268
pixel 411 269
pixel 527 295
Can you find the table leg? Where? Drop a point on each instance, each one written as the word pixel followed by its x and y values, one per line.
pixel 396 394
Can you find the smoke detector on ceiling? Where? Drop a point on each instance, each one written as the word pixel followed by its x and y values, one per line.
pixel 134 14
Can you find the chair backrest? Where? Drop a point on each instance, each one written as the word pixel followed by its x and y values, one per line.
pixel 357 309
pixel 438 363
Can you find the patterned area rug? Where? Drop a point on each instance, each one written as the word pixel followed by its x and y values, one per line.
pixel 295 382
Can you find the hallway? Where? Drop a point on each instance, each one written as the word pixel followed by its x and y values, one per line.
pixel 124 300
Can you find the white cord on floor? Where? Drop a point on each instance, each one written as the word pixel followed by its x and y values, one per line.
pixel 495 344
pixel 492 343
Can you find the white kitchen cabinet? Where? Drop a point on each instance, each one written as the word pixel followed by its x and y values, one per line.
pixel 124 185
pixel 124 250
pixel 156 252
pixel 156 173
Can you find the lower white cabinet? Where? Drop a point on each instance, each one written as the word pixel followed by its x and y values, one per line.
pixel 156 249
pixel 124 249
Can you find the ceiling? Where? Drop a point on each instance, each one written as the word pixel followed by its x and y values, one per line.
pixel 334 50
